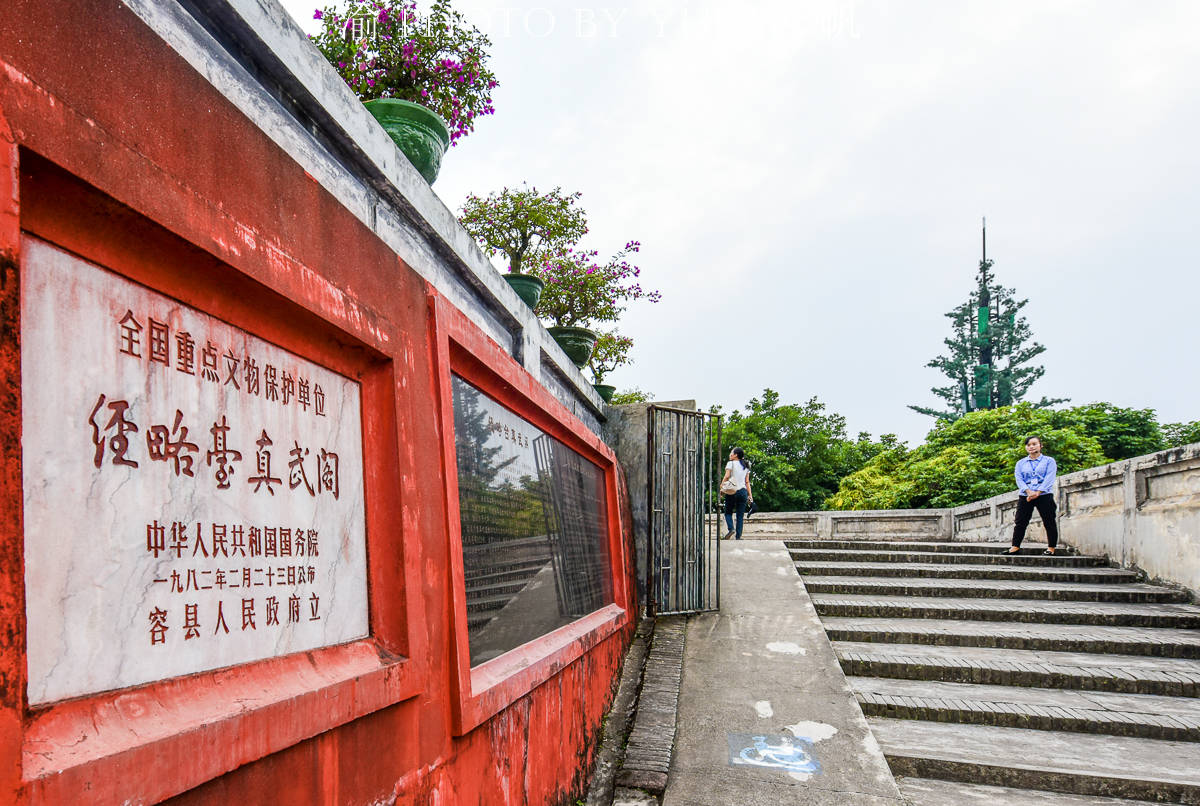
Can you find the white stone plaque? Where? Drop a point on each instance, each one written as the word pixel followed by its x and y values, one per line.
pixel 193 494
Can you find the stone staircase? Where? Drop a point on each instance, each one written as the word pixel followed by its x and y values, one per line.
pixel 495 575
pixel 1014 680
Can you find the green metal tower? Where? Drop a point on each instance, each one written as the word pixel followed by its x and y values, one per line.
pixel 989 353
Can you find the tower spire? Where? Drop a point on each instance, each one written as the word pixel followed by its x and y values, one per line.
pixel 985 238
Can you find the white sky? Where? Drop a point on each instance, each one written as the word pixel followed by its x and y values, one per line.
pixel 807 180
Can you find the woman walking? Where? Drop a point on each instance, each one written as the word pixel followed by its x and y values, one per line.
pixel 735 486
pixel 1035 482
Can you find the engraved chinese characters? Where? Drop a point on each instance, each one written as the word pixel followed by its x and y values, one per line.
pixel 193 493
pixel 534 527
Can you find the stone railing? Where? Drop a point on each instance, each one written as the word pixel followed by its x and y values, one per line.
pixel 1142 512
pixel 893 524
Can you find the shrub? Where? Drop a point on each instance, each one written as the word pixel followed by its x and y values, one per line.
pixel 385 49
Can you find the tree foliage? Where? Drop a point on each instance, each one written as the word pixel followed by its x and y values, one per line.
pixel 627 396
pixel 797 452
pixel 539 233
pixel 493 507
pixel 612 351
pixel 1122 433
pixel 1176 434
pixel 581 291
pixel 521 222
pixel 973 457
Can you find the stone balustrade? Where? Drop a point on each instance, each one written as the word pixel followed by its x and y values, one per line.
pixel 1142 512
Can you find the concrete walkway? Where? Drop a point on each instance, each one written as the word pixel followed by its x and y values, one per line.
pixel 765 713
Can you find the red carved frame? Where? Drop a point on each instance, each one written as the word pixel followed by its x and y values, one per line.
pixel 484 690
pixel 99 743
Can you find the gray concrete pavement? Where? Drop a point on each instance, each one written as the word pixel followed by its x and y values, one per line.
pixel 765 714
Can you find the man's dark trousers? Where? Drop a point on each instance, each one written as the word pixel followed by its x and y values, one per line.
pixel 1046 507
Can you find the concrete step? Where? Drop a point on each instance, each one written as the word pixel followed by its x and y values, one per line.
pixel 941 547
pixel 1158 643
pixel 509 544
pixel 509 550
pixel 509 589
pixel 488 604
pixel 926 557
pixel 1184 616
pixel 1170 677
pixel 498 558
pixel 1144 716
pixel 1056 761
pixel 523 572
pixel 994 589
pixel 956 571
pixel 930 792
pixel 483 555
pixel 498 567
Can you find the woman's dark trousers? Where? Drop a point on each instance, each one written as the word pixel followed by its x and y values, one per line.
pixel 1046 507
pixel 736 503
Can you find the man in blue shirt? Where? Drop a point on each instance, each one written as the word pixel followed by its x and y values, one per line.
pixel 1035 482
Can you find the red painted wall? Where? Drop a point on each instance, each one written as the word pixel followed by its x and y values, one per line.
pixel 112 147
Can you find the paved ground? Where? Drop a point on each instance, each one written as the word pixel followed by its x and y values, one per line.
pixel 765 713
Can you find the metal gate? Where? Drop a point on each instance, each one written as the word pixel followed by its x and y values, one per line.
pixel 685 558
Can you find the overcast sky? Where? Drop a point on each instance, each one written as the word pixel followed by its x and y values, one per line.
pixel 807 180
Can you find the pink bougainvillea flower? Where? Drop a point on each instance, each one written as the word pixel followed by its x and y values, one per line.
pixel 437 58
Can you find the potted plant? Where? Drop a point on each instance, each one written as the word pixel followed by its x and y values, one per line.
pixel 611 351
pixel 520 223
pixel 424 77
pixel 580 292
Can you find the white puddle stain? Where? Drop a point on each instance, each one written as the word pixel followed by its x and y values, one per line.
pixel 813 731
pixel 763 709
pixel 786 648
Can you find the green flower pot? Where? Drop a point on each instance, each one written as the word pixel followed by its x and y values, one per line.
pixel 528 287
pixel 605 391
pixel 419 133
pixel 576 342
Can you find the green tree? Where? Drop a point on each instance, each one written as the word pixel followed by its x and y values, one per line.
pixel 989 351
pixel 966 459
pixel 611 351
pixel 797 453
pixel 627 396
pixel 522 224
pixel 472 434
pixel 1176 434
pixel 1122 433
